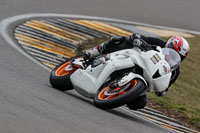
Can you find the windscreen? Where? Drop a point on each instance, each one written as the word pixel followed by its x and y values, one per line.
pixel 172 57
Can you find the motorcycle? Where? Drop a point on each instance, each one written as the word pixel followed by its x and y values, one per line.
pixel 117 78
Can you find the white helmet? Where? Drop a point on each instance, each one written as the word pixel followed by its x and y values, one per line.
pixel 180 45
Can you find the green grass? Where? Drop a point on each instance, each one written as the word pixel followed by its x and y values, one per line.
pixel 184 94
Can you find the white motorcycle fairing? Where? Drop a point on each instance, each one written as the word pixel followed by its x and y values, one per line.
pixel 88 81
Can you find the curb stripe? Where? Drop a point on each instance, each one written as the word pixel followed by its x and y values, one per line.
pixel 108 29
pixel 159 115
pixel 162 122
pixel 44 42
pixel 51 32
pixel 50 55
pixel 86 28
pixel 79 35
pixel 43 48
pixel 81 28
pixel 56 29
pixel 113 29
pixel 48 59
pixel 42 35
pixel 51 66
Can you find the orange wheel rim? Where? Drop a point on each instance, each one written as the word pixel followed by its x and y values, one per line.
pixel 61 70
pixel 102 95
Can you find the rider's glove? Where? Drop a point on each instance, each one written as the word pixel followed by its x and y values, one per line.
pixel 137 42
pixel 141 44
pixel 91 53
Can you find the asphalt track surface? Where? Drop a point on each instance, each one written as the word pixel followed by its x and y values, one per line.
pixel 27 101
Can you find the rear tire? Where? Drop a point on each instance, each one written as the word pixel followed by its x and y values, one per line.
pixel 103 101
pixel 59 78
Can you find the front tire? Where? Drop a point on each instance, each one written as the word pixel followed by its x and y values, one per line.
pixel 59 78
pixel 104 100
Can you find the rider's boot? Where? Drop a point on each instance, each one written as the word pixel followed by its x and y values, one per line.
pixel 91 53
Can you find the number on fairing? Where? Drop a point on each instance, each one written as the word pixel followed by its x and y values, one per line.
pixel 155 58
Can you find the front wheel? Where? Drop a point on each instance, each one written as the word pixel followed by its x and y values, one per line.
pixel 60 77
pixel 108 98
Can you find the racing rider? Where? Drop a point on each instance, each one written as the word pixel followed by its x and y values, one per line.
pixel 117 43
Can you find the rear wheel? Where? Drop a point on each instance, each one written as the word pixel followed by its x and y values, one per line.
pixel 108 98
pixel 60 76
